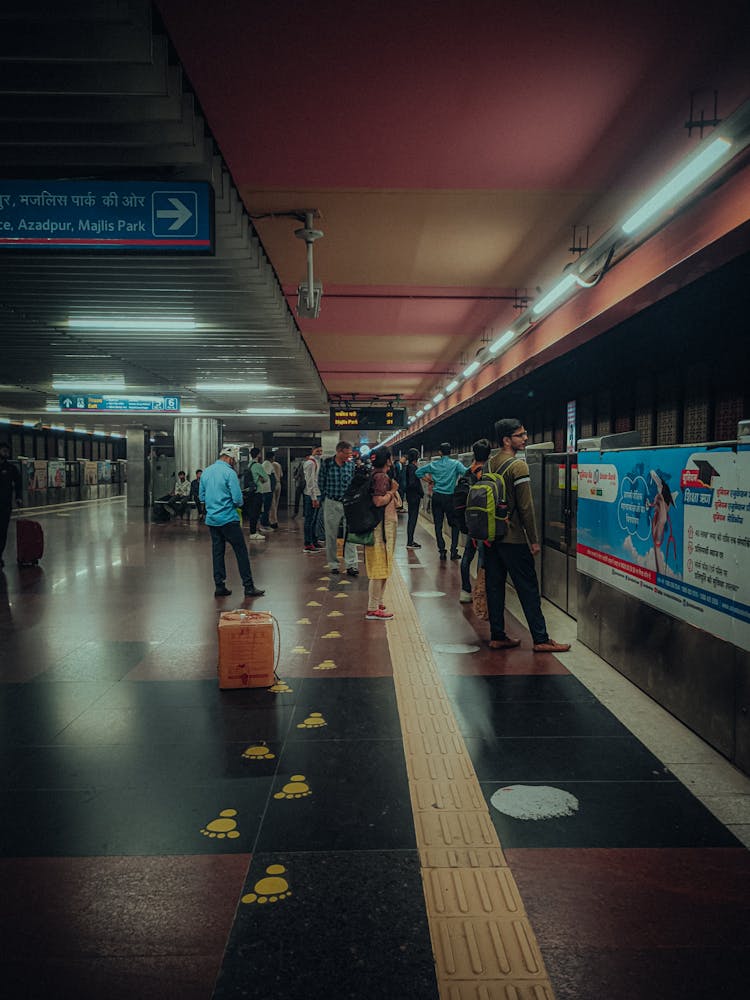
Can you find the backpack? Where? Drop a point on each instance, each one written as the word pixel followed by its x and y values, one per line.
pixel 299 476
pixel 249 486
pixel 487 509
pixel 359 510
pixel 461 496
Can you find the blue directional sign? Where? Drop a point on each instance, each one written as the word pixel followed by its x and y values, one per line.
pixel 159 216
pixel 72 402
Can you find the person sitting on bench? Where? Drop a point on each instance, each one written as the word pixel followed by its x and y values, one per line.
pixel 180 495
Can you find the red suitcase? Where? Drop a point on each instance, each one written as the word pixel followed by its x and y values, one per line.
pixel 29 542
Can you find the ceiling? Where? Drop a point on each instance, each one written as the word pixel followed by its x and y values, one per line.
pixel 446 150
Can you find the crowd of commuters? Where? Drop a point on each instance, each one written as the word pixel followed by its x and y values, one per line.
pixel 321 485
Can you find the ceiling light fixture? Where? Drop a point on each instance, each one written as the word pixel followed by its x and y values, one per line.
pixel 427 406
pixel 501 341
pixel 452 385
pixel 554 294
pixel 107 323
pixel 420 413
pixel 695 169
pixel 467 372
pixel 233 387
pixel 105 384
pixel 437 399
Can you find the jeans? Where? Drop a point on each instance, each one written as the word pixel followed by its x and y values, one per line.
pixel 503 559
pixel 412 517
pixel 311 516
pixel 251 511
pixel 232 533
pixel 4 522
pixel 333 517
pixel 442 506
pixel 267 501
pixel 467 559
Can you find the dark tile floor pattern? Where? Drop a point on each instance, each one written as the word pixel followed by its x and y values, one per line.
pixel 118 750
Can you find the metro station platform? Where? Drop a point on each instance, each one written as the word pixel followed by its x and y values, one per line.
pixel 407 815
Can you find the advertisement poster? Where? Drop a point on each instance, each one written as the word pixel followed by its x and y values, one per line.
pixel 671 526
pixel 36 475
pixel 104 472
pixel 90 473
pixel 56 474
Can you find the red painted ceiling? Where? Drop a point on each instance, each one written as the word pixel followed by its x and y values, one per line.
pixel 448 150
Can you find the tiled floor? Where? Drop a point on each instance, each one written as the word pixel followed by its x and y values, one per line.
pixel 158 832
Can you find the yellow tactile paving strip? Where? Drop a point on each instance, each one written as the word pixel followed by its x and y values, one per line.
pixel 482 940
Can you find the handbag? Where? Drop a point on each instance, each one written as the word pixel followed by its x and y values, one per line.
pixel 361 537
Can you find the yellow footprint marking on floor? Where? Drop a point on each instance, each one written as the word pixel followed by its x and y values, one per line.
pixel 332 635
pixel 335 614
pixel 323 578
pixel 304 621
pixel 300 649
pixel 325 665
pixel 258 752
pixel 269 890
pixel 297 788
pixel 280 687
pixel 313 721
pixel 224 826
pixel 345 583
pixel 321 588
pixel 340 597
pixel 313 604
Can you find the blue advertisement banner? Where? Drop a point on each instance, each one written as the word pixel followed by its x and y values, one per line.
pixel 671 526
pixel 160 216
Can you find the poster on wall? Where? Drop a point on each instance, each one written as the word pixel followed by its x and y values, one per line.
pixel 56 476
pixel 104 472
pixel 36 475
pixel 90 473
pixel 671 526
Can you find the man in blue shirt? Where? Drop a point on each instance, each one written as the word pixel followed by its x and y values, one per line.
pixel 220 491
pixel 444 472
pixel 334 478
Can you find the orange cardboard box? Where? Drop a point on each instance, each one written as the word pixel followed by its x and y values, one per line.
pixel 246 649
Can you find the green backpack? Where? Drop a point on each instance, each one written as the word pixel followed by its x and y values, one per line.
pixel 487 509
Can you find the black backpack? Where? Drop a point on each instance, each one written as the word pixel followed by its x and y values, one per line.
pixel 360 512
pixel 461 496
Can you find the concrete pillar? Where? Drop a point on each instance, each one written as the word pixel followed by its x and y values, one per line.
pixel 137 455
pixel 197 442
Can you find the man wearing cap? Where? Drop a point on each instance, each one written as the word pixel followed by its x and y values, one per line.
pixel 220 492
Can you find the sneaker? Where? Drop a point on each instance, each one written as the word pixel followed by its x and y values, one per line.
pixel 550 646
pixel 309 549
pixel 384 611
pixel 380 615
pixel 334 570
pixel 222 592
pixel 416 545
pixel 506 643
pixel 275 526
pixel 320 545
pixel 455 555
pixel 352 571
pixel 253 592
pixel 257 537
pixel 443 555
pixel 465 597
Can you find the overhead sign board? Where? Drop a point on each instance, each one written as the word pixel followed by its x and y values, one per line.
pixel 371 418
pixel 73 402
pixel 103 215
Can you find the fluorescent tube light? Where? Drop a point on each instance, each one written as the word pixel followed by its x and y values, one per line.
pixel 57 427
pixel 114 435
pixel 427 406
pixel 411 420
pixel 107 323
pixel 29 423
pixel 104 384
pixel 233 387
pixel 452 385
pixel 698 166
pixel 554 294
pixel 437 399
pixel 271 411
pixel 420 413
pixel 474 366
pixel 501 341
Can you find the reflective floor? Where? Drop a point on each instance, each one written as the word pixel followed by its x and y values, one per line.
pixel 162 838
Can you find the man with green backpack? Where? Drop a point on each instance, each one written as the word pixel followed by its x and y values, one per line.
pixel 514 544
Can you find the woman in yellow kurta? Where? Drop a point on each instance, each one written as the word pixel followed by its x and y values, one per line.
pixel 379 555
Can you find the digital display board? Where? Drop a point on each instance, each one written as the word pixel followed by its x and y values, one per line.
pixel 371 418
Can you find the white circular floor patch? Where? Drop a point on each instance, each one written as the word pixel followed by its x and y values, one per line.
pixel 427 593
pixel 534 802
pixel 455 647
